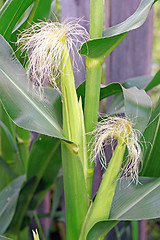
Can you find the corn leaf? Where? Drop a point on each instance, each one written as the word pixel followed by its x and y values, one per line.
pixel 151 167
pixel 137 104
pixel 10 14
pixel 25 107
pixel 5 238
pixel 43 166
pixel 131 202
pixel 102 47
pixel 8 201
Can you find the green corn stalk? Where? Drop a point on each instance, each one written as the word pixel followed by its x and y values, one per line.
pixel 93 81
pixel 100 208
pixel 73 159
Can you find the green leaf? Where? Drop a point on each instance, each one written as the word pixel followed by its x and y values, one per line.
pixel 155 82
pixel 44 161
pixel 151 167
pixel 43 166
pixel 140 82
pixel 114 88
pixel 118 101
pixel 11 140
pixel 40 11
pixel 7 153
pixel 131 100
pixel 4 238
pixel 135 202
pixel 76 196
pixel 10 14
pixel 131 202
pixel 137 104
pixel 8 201
pixel 8 170
pixel 102 47
pixel 137 107
pixel 26 108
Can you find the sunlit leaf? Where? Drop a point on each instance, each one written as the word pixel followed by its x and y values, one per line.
pixel 10 14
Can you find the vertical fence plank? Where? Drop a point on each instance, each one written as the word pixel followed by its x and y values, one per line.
pixel 133 56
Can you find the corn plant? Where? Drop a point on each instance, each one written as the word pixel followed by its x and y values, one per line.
pixel 71 129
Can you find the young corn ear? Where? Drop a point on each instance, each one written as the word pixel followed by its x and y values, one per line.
pixel 44 43
pixel 120 134
pixel 108 132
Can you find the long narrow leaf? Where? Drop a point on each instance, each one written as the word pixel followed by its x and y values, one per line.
pixel 102 47
pixel 26 108
pixel 137 104
pixel 5 238
pixel 131 202
pixel 10 14
pixel 8 201
pixel 151 167
pixel 155 82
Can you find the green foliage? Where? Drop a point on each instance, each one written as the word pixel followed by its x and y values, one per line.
pixel 102 47
pixel 8 201
pixel 4 238
pixel 41 111
pixel 31 111
pixel 151 145
pixel 10 15
pixel 134 102
pixel 131 202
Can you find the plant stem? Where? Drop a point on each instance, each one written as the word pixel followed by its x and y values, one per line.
pixel 76 199
pixel 134 230
pixel 70 100
pixel 96 18
pixel 93 81
pixel 101 207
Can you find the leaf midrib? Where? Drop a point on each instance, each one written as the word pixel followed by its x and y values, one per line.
pixel 135 202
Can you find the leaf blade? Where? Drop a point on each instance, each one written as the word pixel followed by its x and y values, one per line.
pixel 10 14
pixel 29 111
pixel 125 207
pixel 102 47
pixel 8 201
pixel 151 146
